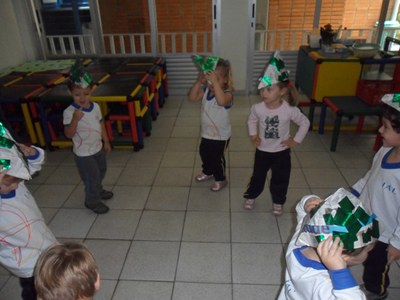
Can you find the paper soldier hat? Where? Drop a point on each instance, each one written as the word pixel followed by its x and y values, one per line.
pixel 11 158
pixel 275 72
pixel 206 63
pixel 340 215
pixel 392 100
pixel 79 76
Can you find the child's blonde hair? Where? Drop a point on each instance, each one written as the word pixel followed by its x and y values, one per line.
pixel 225 65
pixel 66 271
pixel 293 95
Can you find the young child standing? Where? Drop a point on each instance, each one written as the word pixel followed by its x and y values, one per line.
pixel 269 128
pixel 23 231
pixel 216 101
pixel 67 271
pixel 84 125
pixel 378 190
pixel 316 266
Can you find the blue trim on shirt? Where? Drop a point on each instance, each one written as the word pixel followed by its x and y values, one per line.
pixel 82 108
pixel 210 96
pixel 34 156
pixel 306 262
pixel 355 192
pixel 386 165
pixel 10 195
pixel 342 279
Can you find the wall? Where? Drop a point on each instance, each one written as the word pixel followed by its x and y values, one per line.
pixel 12 51
pixel 234 39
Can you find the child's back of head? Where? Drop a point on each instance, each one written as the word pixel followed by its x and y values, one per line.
pixel 66 271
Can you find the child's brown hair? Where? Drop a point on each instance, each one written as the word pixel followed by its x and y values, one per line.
pixel 293 95
pixel 227 71
pixel 393 115
pixel 66 271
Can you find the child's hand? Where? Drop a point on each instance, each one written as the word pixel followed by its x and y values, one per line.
pixel 331 254
pixel 27 151
pixel 5 187
pixel 290 143
pixel 256 140
pixel 393 254
pixel 107 147
pixel 311 203
pixel 212 78
pixel 356 259
pixel 202 79
pixel 77 115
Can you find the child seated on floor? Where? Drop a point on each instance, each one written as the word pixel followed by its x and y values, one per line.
pixel 66 271
pixel 317 266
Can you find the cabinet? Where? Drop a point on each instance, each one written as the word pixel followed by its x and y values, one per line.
pixel 318 76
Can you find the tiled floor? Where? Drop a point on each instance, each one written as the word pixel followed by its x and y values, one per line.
pixel 168 237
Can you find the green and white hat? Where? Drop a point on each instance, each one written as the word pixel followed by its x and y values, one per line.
pixel 206 63
pixel 340 215
pixel 393 100
pixel 79 76
pixel 11 158
pixel 275 72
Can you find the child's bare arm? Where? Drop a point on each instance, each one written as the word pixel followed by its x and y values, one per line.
pixel 196 92
pixel 393 254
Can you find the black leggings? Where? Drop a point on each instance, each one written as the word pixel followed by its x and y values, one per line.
pixel 376 270
pixel 213 158
pixel 280 165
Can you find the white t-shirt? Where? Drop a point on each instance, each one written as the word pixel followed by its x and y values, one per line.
pixel 379 191
pixel 215 121
pixel 87 139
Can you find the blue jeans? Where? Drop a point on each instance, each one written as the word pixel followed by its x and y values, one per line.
pixel 92 170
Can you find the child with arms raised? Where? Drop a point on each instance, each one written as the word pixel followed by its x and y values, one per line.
pixel 23 231
pixel 216 102
pixel 269 128
pixel 317 266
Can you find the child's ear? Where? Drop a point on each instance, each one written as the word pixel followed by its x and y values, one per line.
pixel 97 283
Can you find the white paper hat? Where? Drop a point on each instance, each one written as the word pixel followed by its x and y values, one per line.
pixel 275 72
pixel 11 158
pixel 392 100
pixel 340 215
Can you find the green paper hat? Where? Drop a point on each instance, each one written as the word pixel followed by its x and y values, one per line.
pixel 79 76
pixel 275 72
pixel 392 100
pixel 206 63
pixel 11 158
pixel 340 215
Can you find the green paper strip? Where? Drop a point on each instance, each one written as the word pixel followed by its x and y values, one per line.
pixel 6 143
pixel 396 98
pixel 6 163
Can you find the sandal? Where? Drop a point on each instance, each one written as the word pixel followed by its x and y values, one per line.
pixel 249 204
pixel 277 209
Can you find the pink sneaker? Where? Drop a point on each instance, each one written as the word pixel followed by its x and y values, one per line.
pixel 203 177
pixel 277 209
pixel 218 185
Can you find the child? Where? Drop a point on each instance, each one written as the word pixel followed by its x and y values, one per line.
pixel 66 271
pixel 269 128
pixel 84 125
pixel 216 100
pixel 378 190
pixel 23 231
pixel 316 266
